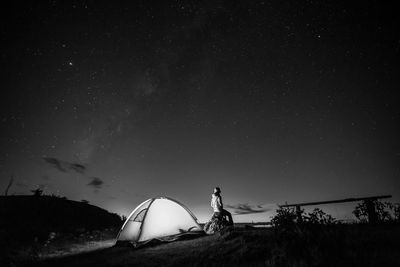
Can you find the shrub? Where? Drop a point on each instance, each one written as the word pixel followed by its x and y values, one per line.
pixel 285 217
pixel 385 211
pixel 396 210
pixel 318 216
pixel 37 192
pixel 288 217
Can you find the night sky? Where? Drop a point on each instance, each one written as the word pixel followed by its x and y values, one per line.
pixel 274 101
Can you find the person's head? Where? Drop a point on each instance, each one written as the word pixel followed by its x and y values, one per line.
pixel 217 190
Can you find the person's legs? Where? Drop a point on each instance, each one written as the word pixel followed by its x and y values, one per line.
pixel 227 213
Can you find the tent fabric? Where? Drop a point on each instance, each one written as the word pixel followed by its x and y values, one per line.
pixel 159 218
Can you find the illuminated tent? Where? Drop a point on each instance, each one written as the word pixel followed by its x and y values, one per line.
pixel 159 218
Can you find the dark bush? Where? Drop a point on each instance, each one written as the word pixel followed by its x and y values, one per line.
pixel 285 217
pixel 385 211
pixel 318 216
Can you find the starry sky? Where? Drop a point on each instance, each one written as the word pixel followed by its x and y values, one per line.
pixel 115 102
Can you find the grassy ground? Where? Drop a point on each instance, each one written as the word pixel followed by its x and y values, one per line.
pixel 69 244
pixel 338 245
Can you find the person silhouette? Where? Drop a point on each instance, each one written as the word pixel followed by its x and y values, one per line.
pixel 218 206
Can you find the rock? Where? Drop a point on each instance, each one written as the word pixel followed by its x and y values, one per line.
pixel 215 225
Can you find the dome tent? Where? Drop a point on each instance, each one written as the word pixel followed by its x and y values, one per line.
pixel 159 218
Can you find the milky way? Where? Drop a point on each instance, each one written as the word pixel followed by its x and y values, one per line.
pixel 272 101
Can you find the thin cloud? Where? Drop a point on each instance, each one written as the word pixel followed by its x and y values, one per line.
pixel 241 209
pixel 65 166
pixel 96 183
pixel 79 168
pixel 55 163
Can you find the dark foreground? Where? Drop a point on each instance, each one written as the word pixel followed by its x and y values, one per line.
pixel 337 245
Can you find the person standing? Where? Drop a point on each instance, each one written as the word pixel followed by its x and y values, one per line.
pixel 218 207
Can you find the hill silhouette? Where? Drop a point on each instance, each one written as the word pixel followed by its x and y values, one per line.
pixel 27 218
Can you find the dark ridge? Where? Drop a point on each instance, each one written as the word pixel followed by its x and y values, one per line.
pixel 24 218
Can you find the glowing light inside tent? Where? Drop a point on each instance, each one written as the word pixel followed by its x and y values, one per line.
pixel 131 231
pixel 166 217
pixel 131 228
pixel 157 218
